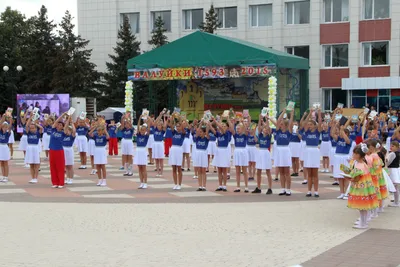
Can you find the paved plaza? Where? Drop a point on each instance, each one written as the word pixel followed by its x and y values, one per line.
pixel 119 225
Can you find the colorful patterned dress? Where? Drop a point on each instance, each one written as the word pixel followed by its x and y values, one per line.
pixel 375 179
pixel 376 169
pixel 362 195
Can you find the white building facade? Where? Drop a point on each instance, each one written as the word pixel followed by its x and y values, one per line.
pixel 342 38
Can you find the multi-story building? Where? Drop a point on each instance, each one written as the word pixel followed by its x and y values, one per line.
pixel 342 38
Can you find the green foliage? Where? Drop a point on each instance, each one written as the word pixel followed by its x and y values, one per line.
pixel 158 37
pixel 211 24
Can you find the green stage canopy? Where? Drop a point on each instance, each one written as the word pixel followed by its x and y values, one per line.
pixel 201 49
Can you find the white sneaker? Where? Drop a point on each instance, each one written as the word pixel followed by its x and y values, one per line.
pixel 195 177
pixel 175 187
pixel 104 183
pixel 5 180
pixel 60 187
pixel 394 205
pixel 346 197
pixel 140 186
pixel 1 179
pixel 93 172
pixel 69 181
pixel 178 187
pixel 27 166
pixel 33 181
pixel 100 182
pixel 341 196
pixel 54 186
pixel 359 226
pixel 144 186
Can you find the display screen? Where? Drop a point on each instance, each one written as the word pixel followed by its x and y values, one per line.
pixel 46 103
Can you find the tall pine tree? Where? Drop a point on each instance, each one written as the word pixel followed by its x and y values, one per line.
pixel 41 53
pixel 73 72
pixel 212 23
pixel 117 73
pixel 158 37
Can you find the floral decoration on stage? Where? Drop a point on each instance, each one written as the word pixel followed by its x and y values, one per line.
pixel 128 96
pixel 272 87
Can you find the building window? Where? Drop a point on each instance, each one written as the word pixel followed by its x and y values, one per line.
pixel 165 16
pixel 336 10
pixel 332 97
pixel 227 16
pixel 376 53
pixel 300 51
pixel 336 56
pixel 298 12
pixel 261 15
pixel 358 98
pixel 192 19
pixel 134 19
pixel 376 9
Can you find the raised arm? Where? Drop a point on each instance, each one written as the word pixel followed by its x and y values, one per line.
pixel 344 136
pixel 334 135
pixel 291 121
pixel 319 120
pixel 58 120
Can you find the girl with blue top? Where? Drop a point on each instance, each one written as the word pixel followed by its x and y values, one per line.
pixel 263 158
pixel 127 145
pixel 33 131
pixel 46 136
pixel 326 147
pixel 252 150
pixel 241 156
pixel 23 142
pixel 193 128
pixel 158 145
pixel 312 156
pixel 212 147
pixel 176 152
pixel 152 125
pixel 186 146
pixel 222 159
pixel 113 141
pixel 283 155
pixel 335 130
pixel 100 153
pixel 343 155
pixel 56 153
pixel 200 157
pixel 140 159
pixel 82 130
pixel 390 131
pixel 295 145
pixel 4 149
pixel 91 148
pixel 68 143
pixel 302 132
pixel 11 140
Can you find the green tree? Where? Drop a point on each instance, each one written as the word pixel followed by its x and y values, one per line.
pixel 41 54
pixel 73 72
pixel 212 23
pixel 158 37
pixel 117 73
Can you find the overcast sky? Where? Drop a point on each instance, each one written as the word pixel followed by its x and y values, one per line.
pixel 55 8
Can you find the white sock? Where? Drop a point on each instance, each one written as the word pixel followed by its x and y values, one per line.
pixel 316 193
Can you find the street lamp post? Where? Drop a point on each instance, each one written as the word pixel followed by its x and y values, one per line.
pixel 19 69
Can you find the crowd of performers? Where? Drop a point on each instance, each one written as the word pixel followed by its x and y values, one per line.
pixel 216 144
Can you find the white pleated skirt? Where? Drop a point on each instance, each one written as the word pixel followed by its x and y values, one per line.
pixel 394 174
pixel 312 157
pixel 212 148
pixel 4 152
pixel 332 156
pixel 200 158
pixel 91 147
pixel 222 157
pixel 389 183
pixel 150 141
pixel 241 157
pixel 82 143
pixel 158 150
pixel 69 155
pixel 252 152
pixel 295 149
pixel 263 159
pixel 339 159
pixel 127 147
pixel 175 156
pixel 46 141
pixel 186 146
pixel 23 143
pixel 100 155
pixel 302 150
pixel 11 140
pixel 325 149
pixel 282 156
pixel 32 154
pixel 388 141
pixel 140 156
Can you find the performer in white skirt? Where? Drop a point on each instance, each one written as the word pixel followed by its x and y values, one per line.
pixel 252 150
pixel 11 140
pixel 390 131
pixel 4 149
pixel 326 147
pixel 393 163
pixel 263 158
pixel 140 159
pixel 23 142
pixel 186 146
pixel 312 157
pixel 342 155
pixel 333 148
pixel 283 156
pixel 127 144
pixel 200 156
pixel 150 122
pixel 212 147
pixel 240 156
pixel 294 145
pixel 222 158
pixel 176 153
pixel 47 130
pixel 32 157
pixel 158 145
pixel 303 147
pixel 68 144
pixel 82 142
pixel 100 152
pixel 91 148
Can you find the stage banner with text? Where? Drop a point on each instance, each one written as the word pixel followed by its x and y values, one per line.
pixel 198 73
